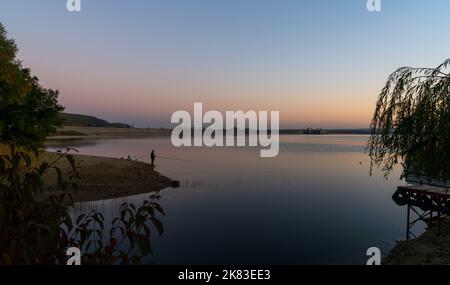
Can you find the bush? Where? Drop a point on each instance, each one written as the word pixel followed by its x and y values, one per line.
pixel 39 232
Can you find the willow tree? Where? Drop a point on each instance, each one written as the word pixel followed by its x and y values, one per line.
pixel 411 124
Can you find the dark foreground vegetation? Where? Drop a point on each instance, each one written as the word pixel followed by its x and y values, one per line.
pixel 37 230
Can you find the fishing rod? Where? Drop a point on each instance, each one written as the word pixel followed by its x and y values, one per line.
pixel 168 157
pixel 178 159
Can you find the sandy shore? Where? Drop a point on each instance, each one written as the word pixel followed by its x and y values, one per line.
pixel 106 178
pixel 428 249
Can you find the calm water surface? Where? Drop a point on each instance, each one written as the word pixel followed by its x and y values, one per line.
pixel 313 204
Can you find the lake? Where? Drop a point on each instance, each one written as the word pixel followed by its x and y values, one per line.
pixel 313 204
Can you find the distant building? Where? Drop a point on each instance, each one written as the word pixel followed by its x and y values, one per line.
pixel 311 131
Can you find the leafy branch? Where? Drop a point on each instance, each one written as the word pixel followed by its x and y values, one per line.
pixel 411 123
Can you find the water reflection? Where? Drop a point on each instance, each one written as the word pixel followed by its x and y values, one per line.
pixel 69 142
pixel 313 204
pixel 121 236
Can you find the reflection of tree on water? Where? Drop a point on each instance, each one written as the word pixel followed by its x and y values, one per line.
pixel 71 142
pixel 123 237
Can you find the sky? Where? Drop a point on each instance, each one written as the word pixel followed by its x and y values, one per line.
pixel 320 63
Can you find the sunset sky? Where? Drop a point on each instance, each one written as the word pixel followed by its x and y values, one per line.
pixel 321 63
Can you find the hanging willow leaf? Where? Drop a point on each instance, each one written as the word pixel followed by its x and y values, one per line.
pixel 411 123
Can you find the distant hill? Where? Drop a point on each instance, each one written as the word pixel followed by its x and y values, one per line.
pixel 76 120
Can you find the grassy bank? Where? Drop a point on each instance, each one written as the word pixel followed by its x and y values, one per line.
pixel 106 178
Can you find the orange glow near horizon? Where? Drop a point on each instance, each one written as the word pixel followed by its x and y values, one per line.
pixel 141 62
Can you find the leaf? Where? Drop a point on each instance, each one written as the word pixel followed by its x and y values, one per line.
pixel 159 226
pixel 100 243
pixel 68 223
pixel 26 158
pixel 139 220
pixel 98 219
pixel 71 161
pixel 159 209
pixel 146 230
pixel 59 180
pixel 80 218
pixel 144 244
pixel 89 245
pixel 43 168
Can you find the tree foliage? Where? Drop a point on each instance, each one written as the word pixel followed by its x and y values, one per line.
pixel 35 229
pixel 28 112
pixel 411 124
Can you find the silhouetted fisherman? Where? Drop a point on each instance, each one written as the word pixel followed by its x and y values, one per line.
pixel 152 157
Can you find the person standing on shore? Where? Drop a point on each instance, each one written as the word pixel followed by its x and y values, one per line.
pixel 152 157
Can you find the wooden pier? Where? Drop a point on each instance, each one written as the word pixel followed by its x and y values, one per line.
pixel 430 204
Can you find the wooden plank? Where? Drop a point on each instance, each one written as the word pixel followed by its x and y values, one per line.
pixel 425 189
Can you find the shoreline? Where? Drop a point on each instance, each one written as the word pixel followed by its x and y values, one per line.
pixel 427 249
pixel 68 132
pixel 72 132
pixel 103 178
pixel 108 178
